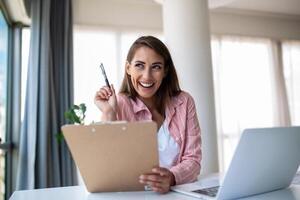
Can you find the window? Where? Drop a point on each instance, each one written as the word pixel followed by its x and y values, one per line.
pixel 243 79
pixel 291 63
pixel 25 58
pixel 91 47
pixel 243 89
pixel 3 94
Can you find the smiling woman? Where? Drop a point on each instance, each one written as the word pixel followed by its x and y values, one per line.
pixel 150 91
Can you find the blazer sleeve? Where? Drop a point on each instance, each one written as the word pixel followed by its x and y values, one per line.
pixel 123 107
pixel 188 169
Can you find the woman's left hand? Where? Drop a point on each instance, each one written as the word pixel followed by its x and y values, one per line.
pixel 160 180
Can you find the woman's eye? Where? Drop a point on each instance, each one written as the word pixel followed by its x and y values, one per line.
pixel 139 66
pixel 156 67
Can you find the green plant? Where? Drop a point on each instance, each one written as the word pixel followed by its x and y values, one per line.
pixel 75 115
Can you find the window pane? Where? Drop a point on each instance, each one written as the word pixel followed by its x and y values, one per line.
pixel 242 77
pixel 3 85
pixel 291 61
pixel 91 47
pixel 25 57
pixel 3 72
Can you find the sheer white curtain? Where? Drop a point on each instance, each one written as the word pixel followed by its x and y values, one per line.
pixel 93 45
pixel 246 88
pixel 280 102
pixel 291 61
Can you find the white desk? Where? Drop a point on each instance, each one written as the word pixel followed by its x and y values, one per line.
pixel 80 193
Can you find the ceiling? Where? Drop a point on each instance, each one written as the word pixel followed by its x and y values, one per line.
pixel 277 7
pixel 288 7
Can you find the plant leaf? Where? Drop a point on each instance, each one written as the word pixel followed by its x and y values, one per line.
pixel 75 118
pixel 75 107
pixel 69 116
pixel 75 115
pixel 83 108
pixel 59 137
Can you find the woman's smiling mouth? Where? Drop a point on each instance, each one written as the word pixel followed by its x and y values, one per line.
pixel 146 85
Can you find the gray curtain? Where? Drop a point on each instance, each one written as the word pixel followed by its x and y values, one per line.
pixel 13 107
pixel 281 104
pixel 44 162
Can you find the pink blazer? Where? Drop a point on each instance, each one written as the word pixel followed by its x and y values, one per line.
pixel 183 125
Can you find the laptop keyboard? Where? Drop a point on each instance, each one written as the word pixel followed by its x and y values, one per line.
pixel 212 191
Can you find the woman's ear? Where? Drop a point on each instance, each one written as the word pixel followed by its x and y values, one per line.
pixel 127 68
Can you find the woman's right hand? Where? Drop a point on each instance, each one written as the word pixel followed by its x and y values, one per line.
pixel 106 100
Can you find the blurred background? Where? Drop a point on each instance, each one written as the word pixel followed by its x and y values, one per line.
pixel 241 56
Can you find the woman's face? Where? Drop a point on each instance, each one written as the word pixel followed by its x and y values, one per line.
pixel 146 70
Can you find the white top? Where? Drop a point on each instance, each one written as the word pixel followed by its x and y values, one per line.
pixel 168 148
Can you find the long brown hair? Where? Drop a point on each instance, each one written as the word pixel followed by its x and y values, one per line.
pixel 169 86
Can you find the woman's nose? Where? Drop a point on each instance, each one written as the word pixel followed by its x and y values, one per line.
pixel 147 74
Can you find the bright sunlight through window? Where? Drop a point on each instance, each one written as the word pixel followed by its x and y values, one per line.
pixel 243 89
pixel 91 47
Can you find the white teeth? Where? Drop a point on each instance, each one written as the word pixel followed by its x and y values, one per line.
pixel 147 85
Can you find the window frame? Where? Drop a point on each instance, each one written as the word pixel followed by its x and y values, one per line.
pixel 221 136
pixel 12 122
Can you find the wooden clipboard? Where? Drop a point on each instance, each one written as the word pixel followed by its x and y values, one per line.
pixel 112 156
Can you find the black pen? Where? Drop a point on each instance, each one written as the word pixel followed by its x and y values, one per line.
pixel 104 74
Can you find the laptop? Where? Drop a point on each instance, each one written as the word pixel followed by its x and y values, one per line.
pixel 266 159
pixel 112 156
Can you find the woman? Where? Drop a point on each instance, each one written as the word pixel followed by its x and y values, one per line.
pixel 150 91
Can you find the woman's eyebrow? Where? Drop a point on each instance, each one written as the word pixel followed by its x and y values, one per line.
pixel 157 63
pixel 138 61
pixel 142 62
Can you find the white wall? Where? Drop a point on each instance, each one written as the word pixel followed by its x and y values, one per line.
pixel 137 14
pixel 127 14
pixel 255 24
